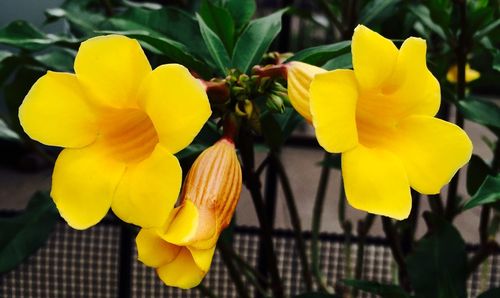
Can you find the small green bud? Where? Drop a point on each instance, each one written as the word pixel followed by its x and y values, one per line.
pixel 275 103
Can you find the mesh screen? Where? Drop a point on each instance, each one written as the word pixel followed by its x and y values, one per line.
pixel 86 264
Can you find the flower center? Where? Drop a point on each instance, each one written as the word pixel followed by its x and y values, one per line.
pixel 129 135
pixel 376 119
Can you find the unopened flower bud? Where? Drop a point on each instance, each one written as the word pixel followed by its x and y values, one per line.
pixel 299 78
pixel 275 103
pixel 182 250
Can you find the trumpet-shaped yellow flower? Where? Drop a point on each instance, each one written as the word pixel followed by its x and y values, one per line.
pixel 470 74
pixel 299 78
pixel 182 250
pixel 380 116
pixel 120 123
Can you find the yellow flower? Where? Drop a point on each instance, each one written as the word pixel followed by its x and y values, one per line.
pixel 182 250
pixel 299 78
pixel 120 123
pixel 380 116
pixel 470 74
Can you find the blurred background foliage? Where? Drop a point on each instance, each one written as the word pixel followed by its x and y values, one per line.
pixel 213 37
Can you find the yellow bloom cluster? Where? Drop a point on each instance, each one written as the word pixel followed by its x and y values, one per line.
pixel 380 116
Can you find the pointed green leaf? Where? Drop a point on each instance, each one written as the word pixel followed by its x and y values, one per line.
pixel 215 47
pixel 477 170
pixel 255 40
pixel 23 35
pixel 375 10
pixel 488 192
pixel 341 62
pixel 384 291
pixel 163 22
pixel 57 59
pixel 6 133
pixel 241 10
pixel 22 235
pixel 220 21
pixel 480 111
pixel 423 14
pixel 438 265
pixel 322 54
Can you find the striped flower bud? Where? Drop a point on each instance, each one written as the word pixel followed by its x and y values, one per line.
pixel 182 250
pixel 299 78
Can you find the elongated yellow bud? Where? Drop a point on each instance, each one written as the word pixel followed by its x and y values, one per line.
pixel 182 250
pixel 299 78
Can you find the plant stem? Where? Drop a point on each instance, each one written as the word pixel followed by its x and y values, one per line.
pixel 295 219
pixel 316 224
pixel 395 245
pixel 436 204
pixel 408 234
pixel 252 182
pixel 206 291
pixel 481 255
pixel 461 53
pixel 364 227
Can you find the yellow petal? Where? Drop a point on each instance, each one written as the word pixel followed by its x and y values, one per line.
pixel 83 184
pixel 183 227
pixel 299 77
pixel 373 57
pixel 55 112
pixel 412 90
pixel 333 106
pixel 111 68
pixel 154 251
pixel 432 151
pixel 148 191
pixel 202 257
pixel 181 272
pixel 176 103
pixel 375 181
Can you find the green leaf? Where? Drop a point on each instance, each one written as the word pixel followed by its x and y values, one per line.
pixel 6 133
pixel 288 121
pixel 438 265
pixel 4 55
pixel 208 135
pixel 173 50
pixel 477 171
pixel 255 40
pixel 322 54
pixel 375 10
pixel 488 192
pixel 480 111
pixel 491 293
pixel 341 62
pixel 384 291
pixel 424 16
pixel 220 21
pixel 241 10
pixel 164 22
pixel 496 61
pixel 215 46
pixel 57 59
pixel 316 295
pixel 487 29
pixel 22 235
pixel 23 35
pixel 80 15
